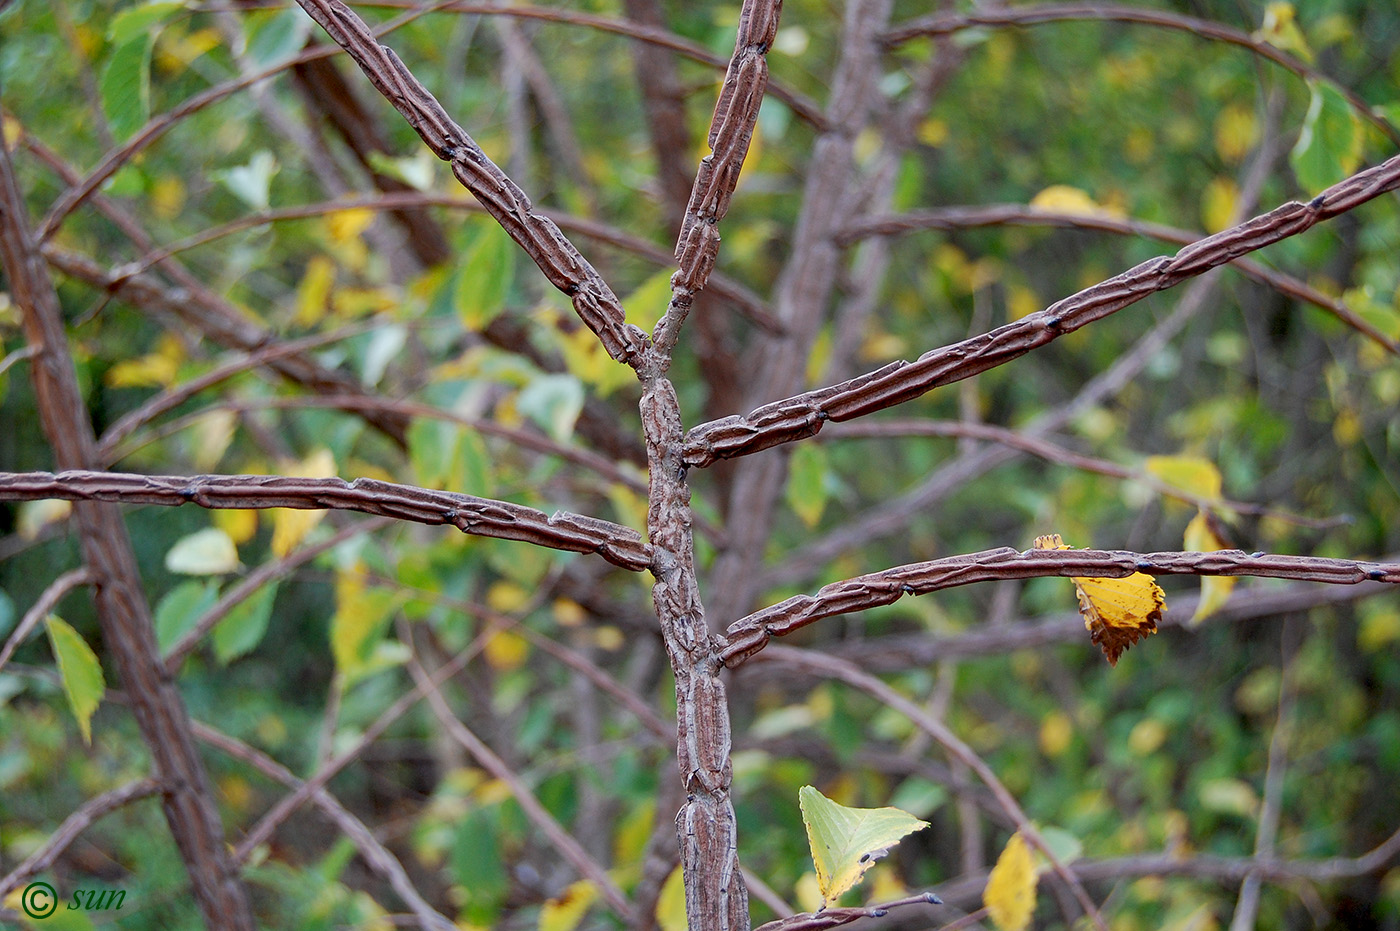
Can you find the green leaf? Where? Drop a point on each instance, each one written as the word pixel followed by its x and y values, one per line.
pixel 361 616
pixel 1329 145
pixel 554 402
pixel 251 183
pixel 846 842
pixel 181 609
pixel 126 86
pixel 806 491
pixel 140 21
pixel 210 551
pixel 484 280
pixel 243 629
pixel 79 670
pixel 274 39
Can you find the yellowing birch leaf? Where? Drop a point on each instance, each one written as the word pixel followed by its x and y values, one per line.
pixel 1065 199
pixel 1203 537
pixel 565 912
pixel 1117 612
pixel 79 671
pixel 846 842
pixel 1010 893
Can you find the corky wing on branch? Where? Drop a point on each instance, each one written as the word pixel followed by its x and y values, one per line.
pixel 803 415
pixel 750 634
pixel 540 237
pixel 486 517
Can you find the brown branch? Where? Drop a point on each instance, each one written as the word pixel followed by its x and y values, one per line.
pixel 750 634
pixel 75 824
pixel 945 23
pixel 952 218
pixel 731 131
pixel 52 594
pixel 122 610
pixel 835 917
pixel 542 240
pixel 380 859
pixel 562 841
pixel 619 545
pixel 803 415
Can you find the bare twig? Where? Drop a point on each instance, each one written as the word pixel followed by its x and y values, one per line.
pixel 568 847
pixel 803 415
pixel 835 917
pixel 75 824
pixel 53 593
pixel 485 517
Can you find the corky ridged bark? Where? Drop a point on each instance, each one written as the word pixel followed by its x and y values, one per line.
pixel 715 895
pixel 121 607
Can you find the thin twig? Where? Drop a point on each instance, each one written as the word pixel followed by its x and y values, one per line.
pixel 52 594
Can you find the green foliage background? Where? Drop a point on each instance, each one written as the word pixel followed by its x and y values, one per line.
pixel 1166 752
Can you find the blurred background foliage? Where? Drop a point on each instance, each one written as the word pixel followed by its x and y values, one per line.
pixel 1167 752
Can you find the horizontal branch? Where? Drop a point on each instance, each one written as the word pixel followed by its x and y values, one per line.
pixel 750 634
pixel 560 261
pixel 803 415
pixel 619 545
pixel 956 218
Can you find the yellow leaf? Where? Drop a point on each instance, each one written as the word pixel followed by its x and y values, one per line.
pixel 349 223
pixel 506 597
pixel 1010 893
pixel 506 650
pixel 1202 537
pixel 1236 129
pixel 1197 477
pixel 846 842
pixel 1280 29
pixel 1218 204
pixel 1117 612
pixel 1056 731
pixel 1065 199
pixel 34 516
pixel 290 526
pixel 157 369
pixel 932 132
pixel 670 904
pixel 240 525
pixel 565 912
pixel 212 434
pixel 314 292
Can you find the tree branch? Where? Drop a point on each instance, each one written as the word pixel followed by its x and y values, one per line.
pixel 803 415
pixel 542 240
pixel 750 634
pixel 486 517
